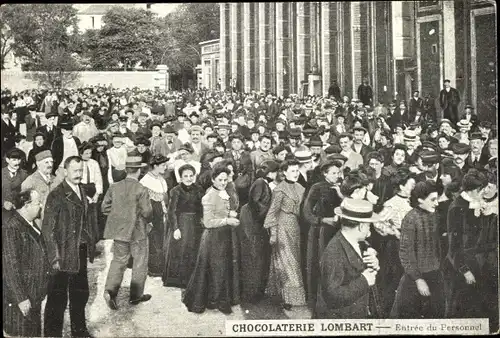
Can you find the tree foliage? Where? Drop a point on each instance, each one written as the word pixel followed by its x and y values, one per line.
pixel 45 38
pixel 129 36
pixel 183 30
pixel 6 38
pixel 36 27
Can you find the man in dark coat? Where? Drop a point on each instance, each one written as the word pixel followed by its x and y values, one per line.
pixel 8 132
pixel 129 211
pixel 365 93
pixel 415 104
pixel 399 116
pixel 347 271
pixel 49 129
pixel 12 178
pixel 71 232
pixel 32 123
pixel 449 98
pixel 334 90
pixel 25 268
pixel 478 157
pixel 64 146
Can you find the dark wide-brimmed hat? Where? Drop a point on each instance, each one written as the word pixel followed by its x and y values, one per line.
pixel 357 210
pixel 158 159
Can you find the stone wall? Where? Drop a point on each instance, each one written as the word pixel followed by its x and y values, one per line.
pixel 17 81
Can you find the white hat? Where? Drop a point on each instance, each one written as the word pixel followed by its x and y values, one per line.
pixel 357 210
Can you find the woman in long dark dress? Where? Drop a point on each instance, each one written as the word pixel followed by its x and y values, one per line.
pixel 184 229
pixel 214 283
pixel 254 239
pixel 318 210
pixel 158 193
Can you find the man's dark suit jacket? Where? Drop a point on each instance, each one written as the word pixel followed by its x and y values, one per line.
pixel 66 220
pixel 343 292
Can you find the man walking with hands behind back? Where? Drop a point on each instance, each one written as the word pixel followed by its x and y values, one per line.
pixel 129 211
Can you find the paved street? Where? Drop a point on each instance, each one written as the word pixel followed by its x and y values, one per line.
pixel 164 314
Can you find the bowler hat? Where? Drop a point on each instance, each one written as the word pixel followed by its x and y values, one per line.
pixel 315 141
pixel 67 125
pixel 357 210
pixel 51 114
pixel 169 130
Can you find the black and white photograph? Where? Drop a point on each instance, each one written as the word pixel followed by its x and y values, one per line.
pixel 249 169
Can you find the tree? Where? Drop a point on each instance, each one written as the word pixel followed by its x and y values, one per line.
pixel 129 37
pixel 6 38
pixel 45 36
pixel 35 26
pixel 183 30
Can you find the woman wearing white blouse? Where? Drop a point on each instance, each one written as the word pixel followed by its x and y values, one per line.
pixel 117 157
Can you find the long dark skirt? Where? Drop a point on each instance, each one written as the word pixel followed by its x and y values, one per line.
pixel 318 239
pixel 390 272
pixel 409 304
pixel 180 256
pixel 156 260
pixel 255 256
pixel 215 279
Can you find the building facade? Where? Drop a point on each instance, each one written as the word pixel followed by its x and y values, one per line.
pixel 399 46
pixel 210 64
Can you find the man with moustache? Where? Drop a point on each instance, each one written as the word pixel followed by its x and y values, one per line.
pixel 460 153
pixel 196 133
pixel 42 180
pixel 358 145
pixel 12 178
pixel 25 268
pixel 70 234
pixel 477 157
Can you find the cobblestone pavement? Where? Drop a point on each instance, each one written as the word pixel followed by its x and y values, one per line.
pixel 165 314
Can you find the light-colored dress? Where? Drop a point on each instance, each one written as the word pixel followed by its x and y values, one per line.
pixel 285 276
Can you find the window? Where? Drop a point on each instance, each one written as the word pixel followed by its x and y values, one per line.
pixel 93 23
pixel 434 48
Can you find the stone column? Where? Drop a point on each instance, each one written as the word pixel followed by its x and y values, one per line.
pixel 282 48
pixel 235 42
pixel 264 47
pixel 224 45
pixel 329 45
pixel 255 79
pixel 356 46
pixel 450 69
pixel 248 25
pixel 303 43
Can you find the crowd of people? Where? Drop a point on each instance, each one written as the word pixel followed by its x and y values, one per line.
pixel 353 208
